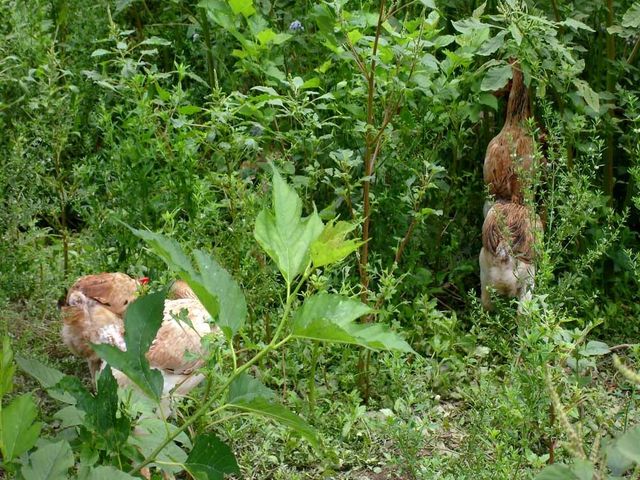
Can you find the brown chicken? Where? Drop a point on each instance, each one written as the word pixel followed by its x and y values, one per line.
pixel 83 323
pixel 509 155
pixel 97 319
pixel 507 257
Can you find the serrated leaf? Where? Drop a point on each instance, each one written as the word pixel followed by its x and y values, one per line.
pixel 331 246
pixel 141 322
pixel 245 7
pixel 218 282
pixel 269 409
pixel 594 348
pixel 576 25
pixel 331 318
pixel 100 52
pixel 50 462
pixel 18 429
pixel 493 44
pixel 586 92
pixel 631 18
pixel 155 41
pixel 47 376
pixel 211 459
pixel 150 433
pixel 496 78
pixel 283 233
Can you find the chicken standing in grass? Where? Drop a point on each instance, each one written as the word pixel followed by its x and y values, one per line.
pixel 93 314
pixel 509 157
pixel 508 251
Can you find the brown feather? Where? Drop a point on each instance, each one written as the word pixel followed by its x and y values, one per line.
pixel 510 153
pixel 511 227
pixel 114 291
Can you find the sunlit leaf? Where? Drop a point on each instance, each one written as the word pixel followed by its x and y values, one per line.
pixel 283 233
pixel 246 388
pixel 586 92
pixel 150 433
pixel 631 18
pixel 245 7
pixel 18 429
pixel 331 318
pixel 594 348
pixel 576 25
pixel 331 246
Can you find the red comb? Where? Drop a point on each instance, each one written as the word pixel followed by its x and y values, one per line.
pixel 143 280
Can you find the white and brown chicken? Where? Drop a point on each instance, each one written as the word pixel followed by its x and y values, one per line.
pixel 93 313
pixel 507 257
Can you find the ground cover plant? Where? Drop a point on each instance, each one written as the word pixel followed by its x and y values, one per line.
pixel 313 170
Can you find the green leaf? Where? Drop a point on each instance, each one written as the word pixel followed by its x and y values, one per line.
pixel 493 44
pixel 331 246
pixel 155 41
pixel 629 444
pixel 331 318
pixel 587 93
pixel 211 459
pixel 100 52
pixel 245 388
pixel 496 78
pixel 18 431
pixel 594 348
pixel 188 110
pixel 215 287
pixel 354 36
pixel 265 36
pixel 489 100
pixel 245 7
pixel 220 284
pixel 631 18
pixel 150 433
pixel 7 368
pixel 283 234
pixel 173 255
pixel 50 462
pixel 141 322
pixel 107 473
pixel 101 410
pixel 47 376
pixel 274 411
pixel 576 25
pixel 579 470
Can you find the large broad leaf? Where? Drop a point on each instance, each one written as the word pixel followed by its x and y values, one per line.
pixel 331 318
pixel 283 233
pixel 331 246
pixel 142 321
pixel 249 395
pixel 18 431
pixel 233 306
pixel 579 470
pixel 150 433
pixel 173 255
pixel 101 410
pixel 50 462
pixel 496 78
pixel 7 368
pixel 211 459
pixel 45 375
pixel 586 92
pixel 629 444
pixel 107 473
pixel 215 287
pixel 631 18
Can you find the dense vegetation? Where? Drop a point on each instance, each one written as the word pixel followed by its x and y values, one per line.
pixel 125 117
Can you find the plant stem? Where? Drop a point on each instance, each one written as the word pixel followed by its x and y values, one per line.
pixel 312 379
pixel 206 35
pixel 371 152
pixel 611 81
